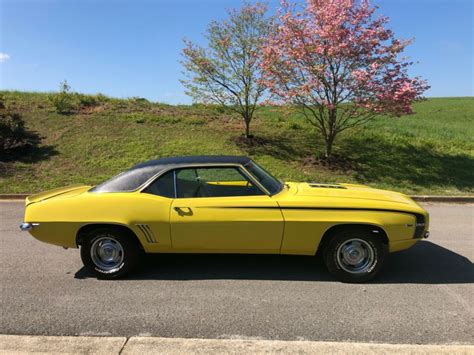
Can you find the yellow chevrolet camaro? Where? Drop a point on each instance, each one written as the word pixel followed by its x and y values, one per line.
pixel 224 204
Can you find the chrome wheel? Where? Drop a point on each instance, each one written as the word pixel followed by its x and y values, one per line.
pixel 356 256
pixel 107 253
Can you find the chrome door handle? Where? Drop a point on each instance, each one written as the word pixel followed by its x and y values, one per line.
pixel 183 211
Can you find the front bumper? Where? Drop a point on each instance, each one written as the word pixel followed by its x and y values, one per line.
pixel 407 243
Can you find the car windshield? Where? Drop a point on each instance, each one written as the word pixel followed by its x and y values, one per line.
pixel 271 184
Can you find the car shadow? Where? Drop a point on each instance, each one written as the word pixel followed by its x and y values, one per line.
pixel 425 263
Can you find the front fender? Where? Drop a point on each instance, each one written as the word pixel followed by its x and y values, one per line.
pixel 305 228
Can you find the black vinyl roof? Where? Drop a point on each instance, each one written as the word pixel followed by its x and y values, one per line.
pixel 196 159
pixel 136 176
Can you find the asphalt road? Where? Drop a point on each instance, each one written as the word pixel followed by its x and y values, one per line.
pixel 424 295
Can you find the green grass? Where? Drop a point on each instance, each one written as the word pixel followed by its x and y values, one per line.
pixel 430 152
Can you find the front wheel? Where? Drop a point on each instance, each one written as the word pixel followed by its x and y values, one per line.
pixel 354 256
pixel 109 253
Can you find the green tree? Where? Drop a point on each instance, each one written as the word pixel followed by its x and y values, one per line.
pixel 64 102
pixel 227 71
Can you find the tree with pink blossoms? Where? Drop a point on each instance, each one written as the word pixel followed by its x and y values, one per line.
pixel 338 63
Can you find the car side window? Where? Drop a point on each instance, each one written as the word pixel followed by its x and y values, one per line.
pixel 163 186
pixel 214 182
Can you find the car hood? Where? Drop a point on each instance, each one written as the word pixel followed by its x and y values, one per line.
pixel 68 191
pixel 345 193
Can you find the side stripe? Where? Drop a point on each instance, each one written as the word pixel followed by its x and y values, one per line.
pixel 314 208
pixel 420 219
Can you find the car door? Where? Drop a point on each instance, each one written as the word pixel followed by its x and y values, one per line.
pixel 219 209
pixel 150 213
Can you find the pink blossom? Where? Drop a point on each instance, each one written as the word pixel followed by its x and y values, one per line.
pixel 338 46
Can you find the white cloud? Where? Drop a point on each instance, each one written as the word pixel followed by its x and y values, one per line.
pixel 4 57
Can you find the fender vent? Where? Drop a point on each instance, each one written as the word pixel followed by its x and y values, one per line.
pixel 327 186
pixel 145 229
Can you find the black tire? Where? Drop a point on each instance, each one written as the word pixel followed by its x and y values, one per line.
pixel 336 253
pixel 127 255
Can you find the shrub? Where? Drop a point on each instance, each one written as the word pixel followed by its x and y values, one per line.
pixel 64 102
pixel 13 133
pixel 87 100
pixel 91 100
pixel 141 100
pixel 102 98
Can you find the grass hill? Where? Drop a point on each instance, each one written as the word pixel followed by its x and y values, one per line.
pixel 430 152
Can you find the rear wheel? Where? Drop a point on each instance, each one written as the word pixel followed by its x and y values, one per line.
pixel 354 256
pixel 109 253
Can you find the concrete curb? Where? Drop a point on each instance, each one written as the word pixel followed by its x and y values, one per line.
pixel 418 198
pixel 137 345
pixel 27 344
pixel 445 199
pixel 13 196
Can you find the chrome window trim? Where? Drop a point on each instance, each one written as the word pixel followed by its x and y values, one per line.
pixel 255 181
pixel 282 183
pixel 175 186
pixel 240 167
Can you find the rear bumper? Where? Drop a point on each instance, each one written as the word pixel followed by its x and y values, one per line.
pixel 57 233
pixel 26 226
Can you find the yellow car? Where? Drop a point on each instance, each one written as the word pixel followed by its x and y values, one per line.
pixel 224 204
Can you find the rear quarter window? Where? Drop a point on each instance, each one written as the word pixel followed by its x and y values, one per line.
pixel 129 180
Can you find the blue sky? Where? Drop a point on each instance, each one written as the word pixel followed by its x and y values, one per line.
pixel 132 48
